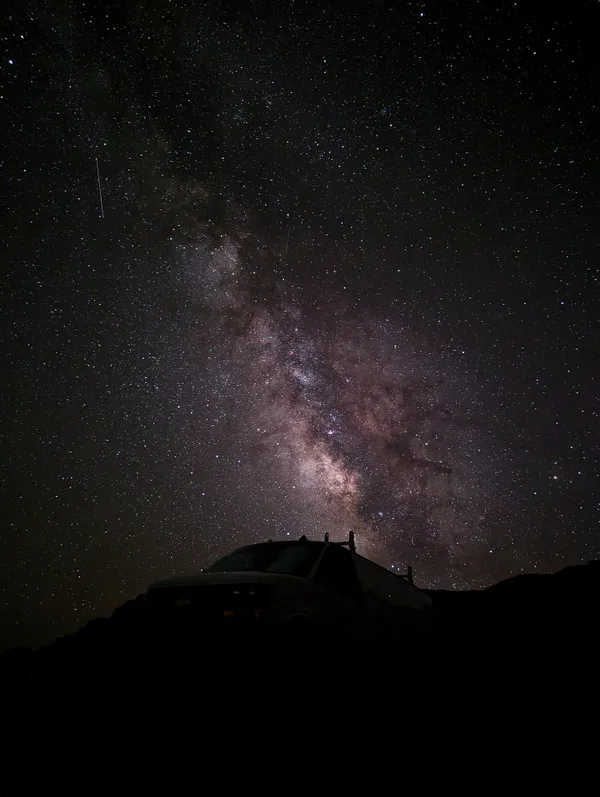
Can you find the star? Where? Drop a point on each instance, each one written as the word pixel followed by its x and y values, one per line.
pixel 332 260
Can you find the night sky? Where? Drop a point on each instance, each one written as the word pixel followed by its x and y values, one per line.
pixel 346 278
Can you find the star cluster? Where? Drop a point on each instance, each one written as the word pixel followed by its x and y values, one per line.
pixel 344 277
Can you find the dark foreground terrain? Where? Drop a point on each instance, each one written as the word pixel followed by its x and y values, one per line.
pixel 529 621
pixel 531 625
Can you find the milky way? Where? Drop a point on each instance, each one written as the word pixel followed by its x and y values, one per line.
pixel 344 277
pixel 349 422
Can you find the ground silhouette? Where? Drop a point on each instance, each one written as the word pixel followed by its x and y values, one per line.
pixel 534 620
pixel 530 624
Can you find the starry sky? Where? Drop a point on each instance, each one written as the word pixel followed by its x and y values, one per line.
pixel 344 275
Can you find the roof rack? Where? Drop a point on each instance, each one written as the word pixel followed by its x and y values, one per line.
pixel 408 576
pixel 349 542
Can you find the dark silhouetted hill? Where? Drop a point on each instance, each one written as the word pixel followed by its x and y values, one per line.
pixel 529 620
pixel 531 623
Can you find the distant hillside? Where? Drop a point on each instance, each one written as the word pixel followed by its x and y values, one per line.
pixel 530 621
pixel 525 617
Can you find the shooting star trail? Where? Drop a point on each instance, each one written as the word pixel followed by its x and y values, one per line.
pixel 99 189
pixel 287 244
